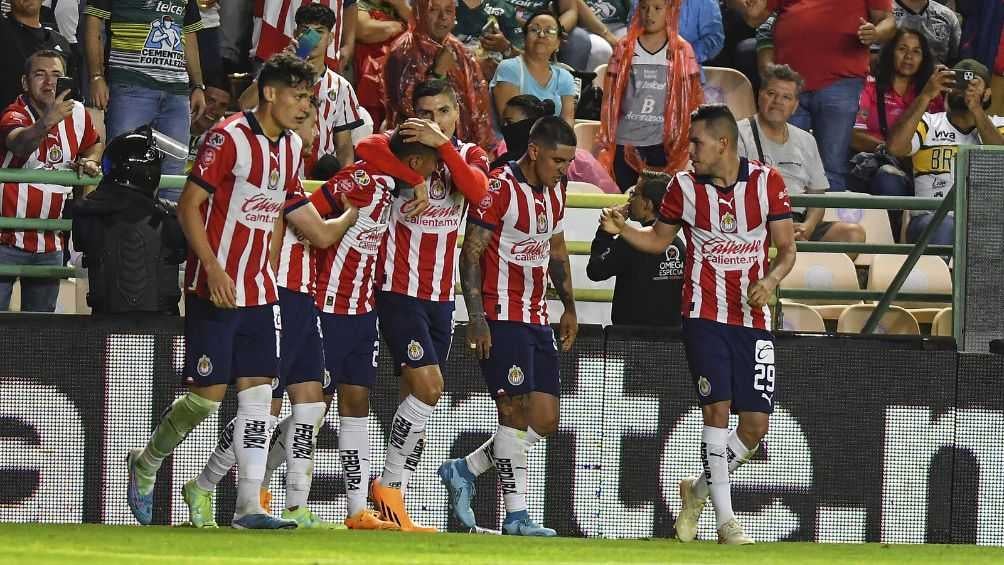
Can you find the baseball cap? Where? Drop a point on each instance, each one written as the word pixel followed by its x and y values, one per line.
pixel 976 67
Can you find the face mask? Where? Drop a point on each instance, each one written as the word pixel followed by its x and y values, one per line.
pixel 517 137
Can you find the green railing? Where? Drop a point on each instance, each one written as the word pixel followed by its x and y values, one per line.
pixel 941 207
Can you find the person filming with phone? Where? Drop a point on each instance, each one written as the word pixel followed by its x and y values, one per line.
pixel 45 128
pixel 933 139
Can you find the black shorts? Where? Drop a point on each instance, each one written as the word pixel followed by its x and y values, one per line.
pixel 733 363
pixel 223 344
pixel 523 359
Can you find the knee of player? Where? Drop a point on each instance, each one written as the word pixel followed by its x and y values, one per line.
pixel 753 432
pixel 428 390
pixel 854 233
pixel 545 425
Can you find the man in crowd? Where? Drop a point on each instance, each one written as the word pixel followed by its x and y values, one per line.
pixel 154 78
pixel 647 292
pixel 217 103
pixel 514 241
pixel 732 211
pixel 24 34
pixel 933 140
pixel 42 129
pixel 769 138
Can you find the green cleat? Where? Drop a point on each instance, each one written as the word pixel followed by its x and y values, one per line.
pixel 200 505
pixel 306 519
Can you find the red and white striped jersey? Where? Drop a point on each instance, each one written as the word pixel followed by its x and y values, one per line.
pixel 297 265
pixel 514 265
pixel 346 270
pixel 275 25
pixel 727 240
pixel 420 259
pixel 338 111
pixel 61 146
pixel 250 179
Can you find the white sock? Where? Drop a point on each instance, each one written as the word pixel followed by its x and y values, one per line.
pixel 300 451
pixel 220 462
pixel 277 449
pixel 411 463
pixel 482 458
pixel 354 451
pixel 252 431
pixel 406 430
pixel 738 454
pixel 511 447
pixel 716 471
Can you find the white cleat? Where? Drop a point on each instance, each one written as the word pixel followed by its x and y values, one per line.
pixel 686 521
pixel 731 533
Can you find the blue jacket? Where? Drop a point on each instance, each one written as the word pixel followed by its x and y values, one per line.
pixel 701 26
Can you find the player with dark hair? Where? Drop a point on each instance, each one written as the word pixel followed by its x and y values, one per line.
pixel 245 176
pixel 732 211
pixel 416 277
pixel 514 240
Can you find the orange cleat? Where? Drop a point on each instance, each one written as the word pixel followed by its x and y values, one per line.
pixel 265 499
pixel 368 520
pixel 390 503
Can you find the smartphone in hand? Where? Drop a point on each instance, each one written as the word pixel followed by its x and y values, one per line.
pixel 63 84
pixel 306 43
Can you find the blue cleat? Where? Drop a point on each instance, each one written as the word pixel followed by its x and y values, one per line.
pixel 140 504
pixel 262 522
pixel 520 524
pixel 459 483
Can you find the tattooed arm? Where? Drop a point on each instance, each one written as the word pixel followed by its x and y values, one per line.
pixel 560 270
pixel 476 239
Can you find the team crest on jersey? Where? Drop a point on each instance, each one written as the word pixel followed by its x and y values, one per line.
pixel 329 301
pixel 332 94
pixel 275 383
pixel 55 154
pixel 216 139
pixel 208 156
pixel 494 185
pixel 728 223
pixel 204 366
pixel 415 351
pixel 704 386
pixel 273 178
pixel 438 190
pixel 516 376
pixel 541 222
pixel 327 379
pixel 361 177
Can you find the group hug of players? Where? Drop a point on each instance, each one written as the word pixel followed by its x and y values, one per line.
pixel 285 293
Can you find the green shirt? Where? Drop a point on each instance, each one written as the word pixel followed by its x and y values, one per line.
pixel 610 11
pixel 147 41
pixel 471 22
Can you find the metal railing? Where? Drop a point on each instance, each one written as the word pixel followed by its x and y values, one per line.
pixel 941 207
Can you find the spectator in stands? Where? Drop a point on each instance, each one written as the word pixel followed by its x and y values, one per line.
pixel 575 46
pixel 534 72
pixel 520 113
pixel 276 29
pixel 933 139
pixel 379 23
pixel 23 35
pixel 607 22
pixel 154 78
pixel 427 51
pixel 217 103
pixel 904 67
pixel 489 31
pixel 769 138
pixel 651 87
pixel 648 287
pixel 210 54
pixel 42 129
pixel 833 65
pixel 937 21
pixel 701 26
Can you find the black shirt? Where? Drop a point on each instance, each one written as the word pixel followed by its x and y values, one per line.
pixel 19 42
pixel 648 287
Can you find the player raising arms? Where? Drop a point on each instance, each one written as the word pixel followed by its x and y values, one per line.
pixel 514 238
pixel 415 278
pixel 732 211
pixel 245 172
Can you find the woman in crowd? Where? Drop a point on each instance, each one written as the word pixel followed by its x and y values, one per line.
pixel 651 87
pixel 430 50
pixel 521 112
pixel 905 64
pixel 380 22
pixel 489 30
pixel 535 72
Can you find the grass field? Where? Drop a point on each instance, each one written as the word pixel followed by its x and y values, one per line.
pixel 96 545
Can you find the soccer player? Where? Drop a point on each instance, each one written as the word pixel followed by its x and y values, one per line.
pixel 514 240
pixel 415 278
pixel 246 170
pixel 301 369
pixel 732 211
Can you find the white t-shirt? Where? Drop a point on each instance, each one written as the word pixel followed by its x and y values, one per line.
pixel 798 160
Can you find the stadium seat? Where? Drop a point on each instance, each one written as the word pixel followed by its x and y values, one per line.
pixel 729 87
pixel 797 317
pixel 897 321
pixel 823 271
pixel 579 187
pixel 601 74
pixel 875 222
pixel 942 323
pixel 930 274
pixel 585 135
